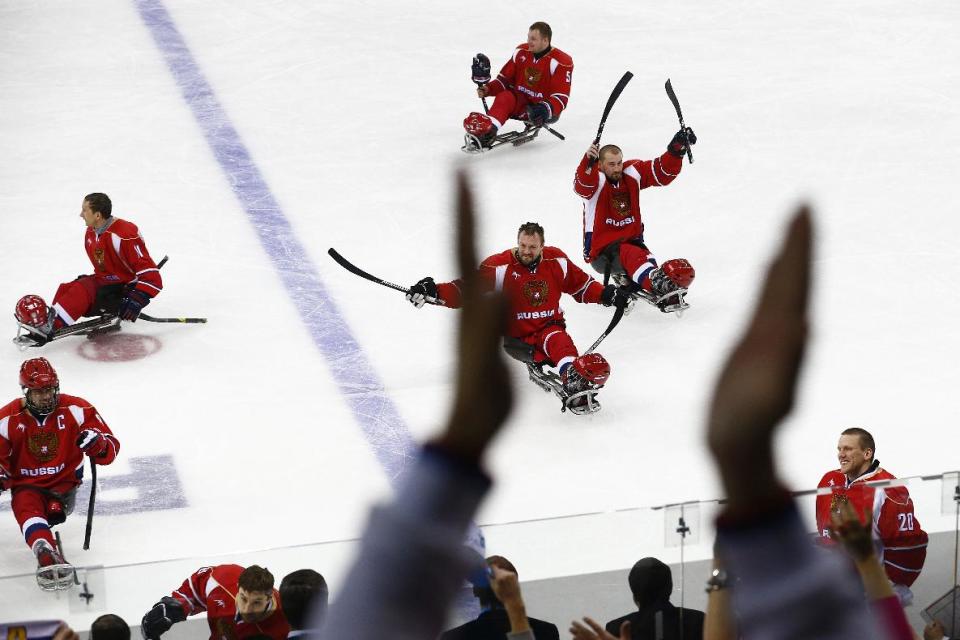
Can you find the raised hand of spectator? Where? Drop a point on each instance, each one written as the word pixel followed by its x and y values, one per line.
pixel 506 587
pixel 483 396
pixel 64 632
pixel 756 387
pixel 847 529
pixel 593 631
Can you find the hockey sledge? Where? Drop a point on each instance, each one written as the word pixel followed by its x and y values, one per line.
pixel 28 336
pixel 673 302
pixel 581 403
pixel 57 577
pixel 471 143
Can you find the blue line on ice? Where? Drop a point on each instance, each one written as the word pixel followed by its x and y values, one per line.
pixel 382 426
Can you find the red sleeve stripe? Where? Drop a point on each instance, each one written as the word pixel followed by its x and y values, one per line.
pixel 916 546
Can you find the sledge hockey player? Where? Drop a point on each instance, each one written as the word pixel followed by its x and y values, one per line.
pixel 900 540
pixel 532 278
pixel 44 437
pixel 612 225
pixel 533 85
pixel 125 278
pixel 239 603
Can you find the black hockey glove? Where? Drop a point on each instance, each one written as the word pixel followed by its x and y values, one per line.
pixel 419 292
pixel 681 139
pixel 480 69
pixel 614 296
pixel 538 113
pixel 164 615
pixel 132 304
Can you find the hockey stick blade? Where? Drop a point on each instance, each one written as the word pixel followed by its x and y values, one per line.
pixel 617 90
pixel 357 271
pixel 676 105
pixel 617 317
pixel 148 318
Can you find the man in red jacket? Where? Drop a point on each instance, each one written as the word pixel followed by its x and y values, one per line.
pixel 612 226
pixel 901 542
pixel 532 277
pixel 534 85
pixel 125 278
pixel 44 437
pixel 239 603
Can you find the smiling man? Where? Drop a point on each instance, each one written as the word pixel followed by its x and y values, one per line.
pixel 239 603
pixel 901 543
pixel 534 84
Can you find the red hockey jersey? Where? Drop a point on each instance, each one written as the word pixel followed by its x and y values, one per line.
pixel 532 293
pixel 544 79
pixel 214 590
pixel 902 544
pixel 611 211
pixel 45 454
pixel 119 256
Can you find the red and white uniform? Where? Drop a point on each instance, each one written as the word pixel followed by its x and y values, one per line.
pixel 532 295
pixel 43 461
pixel 119 257
pixel 902 544
pixel 526 79
pixel 611 211
pixel 214 590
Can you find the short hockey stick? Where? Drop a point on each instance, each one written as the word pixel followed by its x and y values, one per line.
pixel 149 318
pixel 676 105
pixel 617 316
pixel 357 271
pixel 617 90
pixel 93 500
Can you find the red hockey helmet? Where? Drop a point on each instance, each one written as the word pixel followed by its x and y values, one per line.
pixel 36 375
pixel 32 310
pixel 680 271
pixel 593 367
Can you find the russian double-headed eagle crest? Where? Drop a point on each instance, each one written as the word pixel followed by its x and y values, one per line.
pixel 533 75
pixel 535 291
pixel 43 445
pixel 621 204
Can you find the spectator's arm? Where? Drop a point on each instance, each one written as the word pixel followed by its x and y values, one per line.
pixel 591 630
pixel 719 622
pixel 507 589
pixel 412 560
pixel 785 588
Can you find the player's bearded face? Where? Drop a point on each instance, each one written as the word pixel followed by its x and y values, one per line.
pixel 254 606
pixel 529 248
pixel 612 166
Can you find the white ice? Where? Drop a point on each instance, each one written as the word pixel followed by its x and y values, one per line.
pixel 352 113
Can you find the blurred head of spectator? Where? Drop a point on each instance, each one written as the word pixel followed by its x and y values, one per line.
pixel 109 627
pixel 650 582
pixel 488 600
pixel 301 592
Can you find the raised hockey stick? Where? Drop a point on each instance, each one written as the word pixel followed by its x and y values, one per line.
pixel 617 316
pixel 357 271
pixel 617 90
pixel 676 105
pixel 93 500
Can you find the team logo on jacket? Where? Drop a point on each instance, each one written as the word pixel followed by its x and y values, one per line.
pixel 532 74
pixel 836 500
pixel 98 256
pixel 620 203
pixel 43 446
pixel 535 291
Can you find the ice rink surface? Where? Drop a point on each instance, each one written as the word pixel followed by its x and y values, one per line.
pixel 281 129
